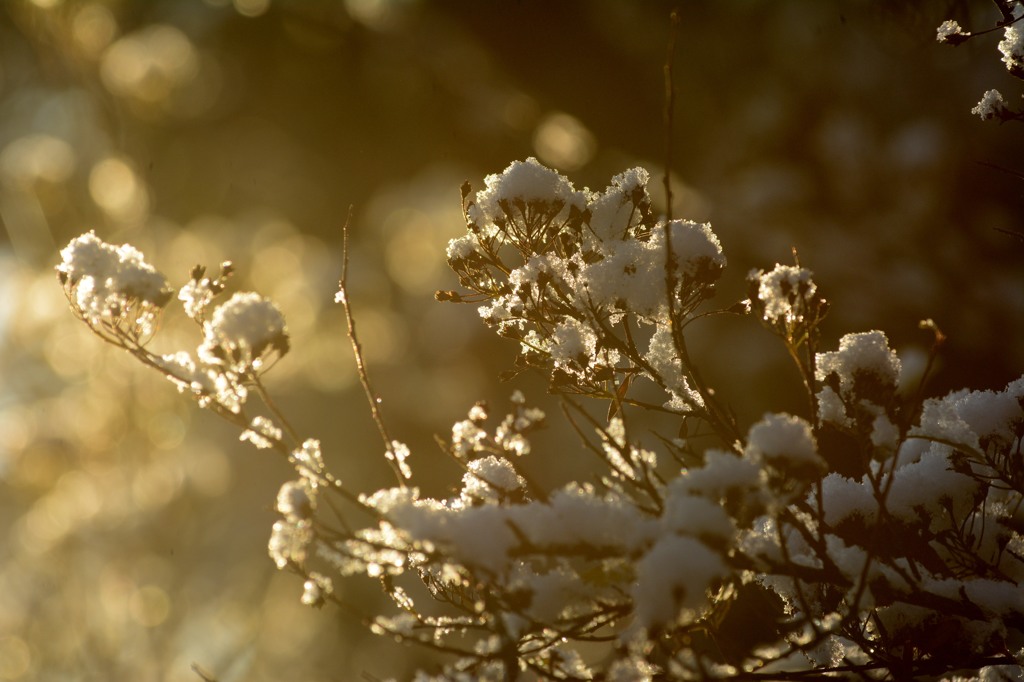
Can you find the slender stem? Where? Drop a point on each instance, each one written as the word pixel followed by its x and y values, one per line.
pixel 357 351
pixel 261 390
pixel 937 342
pixel 719 421
pixel 670 101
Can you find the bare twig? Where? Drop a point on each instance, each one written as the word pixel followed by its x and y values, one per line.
pixel 1013 233
pixel 357 351
pixel 203 675
pixel 938 340
pixel 670 102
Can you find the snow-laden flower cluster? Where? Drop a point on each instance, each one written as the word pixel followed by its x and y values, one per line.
pixel 787 301
pixel 1011 48
pixel 112 287
pixel 242 332
pixel 1012 44
pixel 200 291
pixel 991 105
pixel 587 282
pixel 120 296
pixel 873 534
pixel 951 32
pixel 859 381
pixel 861 525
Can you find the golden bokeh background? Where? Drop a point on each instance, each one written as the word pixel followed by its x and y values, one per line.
pixel 134 525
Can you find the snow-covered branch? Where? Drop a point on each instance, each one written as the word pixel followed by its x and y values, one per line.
pixel 878 535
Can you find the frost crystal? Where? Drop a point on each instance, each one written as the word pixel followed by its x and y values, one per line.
pixel 695 515
pixel 490 479
pixel 992 105
pixel 844 498
pixel 109 282
pixel 661 355
pixel 467 437
pixel 931 485
pixel 632 275
pixel 632 669
pixel 696 248
pixel 242 330
pixel 262 433
pixel 572 342
pixel 308 458
pixel 402 624
pixel 884 433
pixel 526 181
pixel 182 369
pixel 673 579
pixel 970 417
pixel 478 413
pixel 862 374
pixel 399 453
pixel 461 248
pixel 723 476
pixel 866 352
pixel 296 500
pixel 288 542
pixel 196 295
pixel 784 442
pixel 316 589
pixel 950 32
pixel 1012 45
pixel 783 292
pixel 614 213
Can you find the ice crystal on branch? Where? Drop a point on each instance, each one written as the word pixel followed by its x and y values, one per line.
pixel 262 433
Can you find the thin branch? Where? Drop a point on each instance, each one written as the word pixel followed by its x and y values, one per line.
pixel 670 102
pixel 938 339
pixel 1013 233
pixel 203 675
pixel 261 391
pixel 357 351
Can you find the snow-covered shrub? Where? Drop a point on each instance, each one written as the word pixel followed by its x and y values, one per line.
pixel 877 534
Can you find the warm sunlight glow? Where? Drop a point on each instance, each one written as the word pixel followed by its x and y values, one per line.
pixel 117 190
pixel 93 28
pixel 150 64
pixel 562 141
pixel 37 157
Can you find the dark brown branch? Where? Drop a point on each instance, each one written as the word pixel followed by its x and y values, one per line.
pixel 670 102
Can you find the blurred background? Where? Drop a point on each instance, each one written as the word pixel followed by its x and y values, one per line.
pixel 134 526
